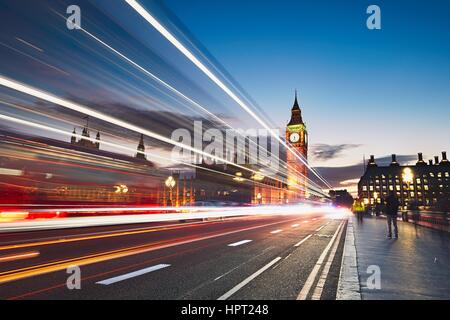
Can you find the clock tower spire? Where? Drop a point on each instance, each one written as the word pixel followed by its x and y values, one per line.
pixel 297 139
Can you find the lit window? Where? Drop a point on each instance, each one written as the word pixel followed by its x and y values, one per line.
pixel 364 188
pixel 440 174
pixel 391 188
pixel 425 187
pixel 371 188
pixel 397 187
pixel 447 174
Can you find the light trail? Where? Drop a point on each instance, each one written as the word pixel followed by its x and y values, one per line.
pixel 187 213
pixel 164 32
pixel 150 155
pixel 174 90
pixel 21 273
pixel 85 110
pixel 19 256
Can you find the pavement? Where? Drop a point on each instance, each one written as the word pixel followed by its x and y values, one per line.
pixel 415 266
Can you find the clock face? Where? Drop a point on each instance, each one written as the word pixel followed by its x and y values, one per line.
pixel 294 137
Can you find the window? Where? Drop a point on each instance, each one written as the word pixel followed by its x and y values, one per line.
pixel 364 188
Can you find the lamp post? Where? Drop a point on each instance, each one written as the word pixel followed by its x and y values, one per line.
pixel 259 197
pixel 170 183
pixel 408 178
pixel 375 201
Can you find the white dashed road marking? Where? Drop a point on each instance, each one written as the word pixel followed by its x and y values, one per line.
pixel 239 243
pixel 133 274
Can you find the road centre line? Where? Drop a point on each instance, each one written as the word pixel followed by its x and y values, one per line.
pixel 132 274
pixel 239 286
pixel 312 276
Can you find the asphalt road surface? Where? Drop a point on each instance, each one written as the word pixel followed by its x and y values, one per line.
pixel 254 257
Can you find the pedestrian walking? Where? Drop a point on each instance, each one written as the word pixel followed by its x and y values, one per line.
pixel 392 205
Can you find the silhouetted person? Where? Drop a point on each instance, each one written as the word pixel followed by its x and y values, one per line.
pixel 377 209
pixel 392 205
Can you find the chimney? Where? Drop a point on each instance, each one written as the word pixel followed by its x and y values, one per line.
pixel 394 160
pixel 372 161
pixel 444 158
pixel 436 160
pixel 420 162
pixel 430 162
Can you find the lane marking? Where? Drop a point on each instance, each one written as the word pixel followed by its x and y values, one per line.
pixel 303 240
pixel 102 235
pixel 295 225
pixel 17 274
pixel 133 274
pixel 306 221
pixel 320 228
pixel 276 231
pixel 348 285
pixel 317 294
pixel 19 256
pixel 244 263
pixel 248 280
pixel 239 243
pixel 312 276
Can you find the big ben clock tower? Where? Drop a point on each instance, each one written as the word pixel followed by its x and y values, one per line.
pixel 297 139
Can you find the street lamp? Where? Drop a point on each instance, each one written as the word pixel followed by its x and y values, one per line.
pixel 259 197
pixel 170 183
pixel 238 177
pixel 408 178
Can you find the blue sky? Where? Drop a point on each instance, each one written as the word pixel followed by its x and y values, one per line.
pixel 386 90
pixel 362 92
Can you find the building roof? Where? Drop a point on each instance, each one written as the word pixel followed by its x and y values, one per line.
pixel 296 113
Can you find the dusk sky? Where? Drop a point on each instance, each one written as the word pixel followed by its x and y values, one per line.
pixel 361 91
pixel 387 91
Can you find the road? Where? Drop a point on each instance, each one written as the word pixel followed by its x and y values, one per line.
pixel 253 257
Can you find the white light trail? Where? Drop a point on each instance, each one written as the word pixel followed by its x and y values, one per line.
pixel 195 213
pixel 168 86
pixel 164 32
pixel 117 146
pixel 85 110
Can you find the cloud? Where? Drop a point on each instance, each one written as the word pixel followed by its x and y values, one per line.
pixel 323 151
pixel 348 176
